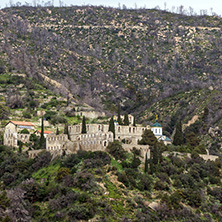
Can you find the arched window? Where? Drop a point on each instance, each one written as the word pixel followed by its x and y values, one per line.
pixel 119 129
pixel 129 129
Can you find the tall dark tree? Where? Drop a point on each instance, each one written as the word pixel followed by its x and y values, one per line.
pixel 192 139
pixel 126 120
pixel 112 127
pixel 20 144
pixel 42 140
pixel 83 125
pixel 155 155
pixel 178 137
pixel 151 164
pixel 67 100
pixel 136 160
pixel 134 121
pixel 146 164
pixel 66 130
pixel 148 138
pixel 57 131
pixel 205 114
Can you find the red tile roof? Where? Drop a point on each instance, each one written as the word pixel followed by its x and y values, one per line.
pixel 45 132
pixel 21 123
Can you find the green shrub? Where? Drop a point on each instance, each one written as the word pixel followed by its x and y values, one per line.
pixel 24 131
pixel 116 150
pixel 62 172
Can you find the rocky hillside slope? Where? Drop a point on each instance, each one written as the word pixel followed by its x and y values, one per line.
pixel 106 55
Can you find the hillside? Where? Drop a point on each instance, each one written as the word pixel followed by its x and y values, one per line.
pixel 68 62
pixel 97 186
pixel 24 98
pixel 106 55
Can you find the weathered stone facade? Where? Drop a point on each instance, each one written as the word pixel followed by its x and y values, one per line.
pixel 142 148
pixel 89 142
pixel 13 133
pixel 122 132
pixel 97 137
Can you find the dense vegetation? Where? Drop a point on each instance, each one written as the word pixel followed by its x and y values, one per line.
pixel 95 185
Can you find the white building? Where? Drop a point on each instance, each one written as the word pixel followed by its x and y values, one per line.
pixel 157 130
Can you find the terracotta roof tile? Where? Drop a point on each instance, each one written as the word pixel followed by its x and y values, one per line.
pixel 22 123
pixel 45 132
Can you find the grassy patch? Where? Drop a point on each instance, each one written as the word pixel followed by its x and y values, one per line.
pixel 116 164
pixel 113 191
pixel 46 172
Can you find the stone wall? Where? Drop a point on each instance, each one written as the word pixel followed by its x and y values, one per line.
pixel 122 132
pixel 95 141
pixel 143 150
pixel 23 137
pixel 55 142
pixel 204 156
pixel 33 153
pixel 92 142
pixel 10 135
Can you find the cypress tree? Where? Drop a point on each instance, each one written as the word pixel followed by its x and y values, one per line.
pixel 205 114
pixel 134 121
pixel 42 138
pixel 67 100
pixel 155 155
pixel 178 137
pixel 20 143
pixel 126 120
pixel 57 131
pixel 151 165
pixel 112 127
pixel 146 164
pixel 119 120
pixel 66 130
pixel 83 125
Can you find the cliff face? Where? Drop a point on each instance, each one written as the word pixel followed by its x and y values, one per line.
pixel 105 55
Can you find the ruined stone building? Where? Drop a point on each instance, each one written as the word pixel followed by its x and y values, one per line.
pixel 89 142
pixel 13 132
pixel 97 137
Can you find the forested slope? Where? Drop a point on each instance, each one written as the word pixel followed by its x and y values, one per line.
pixel 107 55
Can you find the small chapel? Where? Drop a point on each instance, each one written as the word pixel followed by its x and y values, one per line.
pixel 157 130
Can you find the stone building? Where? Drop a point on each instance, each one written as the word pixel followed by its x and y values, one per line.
pixel 13 132
pixel 130 133
pixel 89 142
pixel 97 137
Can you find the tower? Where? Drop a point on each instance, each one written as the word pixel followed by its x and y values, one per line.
pixel 157 128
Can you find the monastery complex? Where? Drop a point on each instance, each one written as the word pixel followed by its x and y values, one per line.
pixel 97 137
